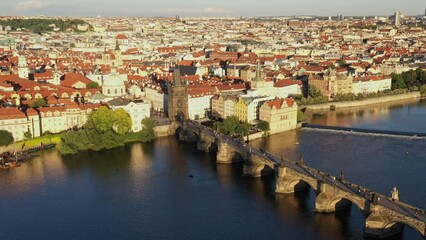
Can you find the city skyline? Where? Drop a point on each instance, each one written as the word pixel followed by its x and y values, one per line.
pixel 220 8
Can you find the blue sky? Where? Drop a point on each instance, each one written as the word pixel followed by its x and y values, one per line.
pixel 210 8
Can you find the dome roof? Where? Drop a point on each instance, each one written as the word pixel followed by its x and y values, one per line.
pixel 114 80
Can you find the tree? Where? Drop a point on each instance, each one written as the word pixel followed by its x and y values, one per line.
pixel 92 85
pixel 422 90
pixel 264 126
pixel 300 116
pixel 398 81
pixel 28 135
pixel 122 123
pixel 243 129
pixel 103 119
pixel 229 125
pixel 39 102
pixel 148 133
pixel 314 92
pixel 6 138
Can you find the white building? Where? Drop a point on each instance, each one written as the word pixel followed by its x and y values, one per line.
pixel 286 87
pixel 17 123
pixel 155 95
pixel 199 102
pixel 371 84
pixel 53 119
pixel 253 105
pixel 137 111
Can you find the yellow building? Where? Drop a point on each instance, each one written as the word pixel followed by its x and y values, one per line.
pixel 281 114
pixel 240 109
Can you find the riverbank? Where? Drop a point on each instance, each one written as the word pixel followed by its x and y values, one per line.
pixel 371 101
pixel 35 142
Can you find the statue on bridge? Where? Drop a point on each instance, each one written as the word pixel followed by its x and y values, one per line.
pixel 395 193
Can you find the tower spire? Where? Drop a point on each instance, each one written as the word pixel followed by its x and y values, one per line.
pixel 117 46
pixel 258 72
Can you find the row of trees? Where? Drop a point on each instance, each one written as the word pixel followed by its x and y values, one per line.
pixel 362 96
pixel 412 80
pixel 315 96
pixel 105 129
pixel 43 25
pixel 231 125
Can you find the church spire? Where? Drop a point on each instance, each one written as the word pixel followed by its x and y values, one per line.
pixel 117 46
pixel 258 72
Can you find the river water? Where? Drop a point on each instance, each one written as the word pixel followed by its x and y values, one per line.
pixel 167 190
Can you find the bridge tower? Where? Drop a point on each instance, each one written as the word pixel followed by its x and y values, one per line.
pixel 178 97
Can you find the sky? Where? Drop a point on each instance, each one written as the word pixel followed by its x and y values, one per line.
pixel 209 8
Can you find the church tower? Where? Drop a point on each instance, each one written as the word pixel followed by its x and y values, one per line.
pixel 56 76
pixel 178 97
pixel 118 56
pixel 23 70
pixel 259 82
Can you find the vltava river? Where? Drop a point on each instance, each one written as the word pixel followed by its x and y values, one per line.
pixel 167 190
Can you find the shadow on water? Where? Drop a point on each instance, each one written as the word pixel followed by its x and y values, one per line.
pixel 106 161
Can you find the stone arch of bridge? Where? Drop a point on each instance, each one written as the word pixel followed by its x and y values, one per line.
pixel 405 223
pixel 340 198
pixel 214 146
pixel 300 184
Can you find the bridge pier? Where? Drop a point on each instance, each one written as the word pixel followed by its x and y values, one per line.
pixel 255 167
pixel 206 143
pixel 329 200
pixel 289 181
pixel 227 154
pixel 377 226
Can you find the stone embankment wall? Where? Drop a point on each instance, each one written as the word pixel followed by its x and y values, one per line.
pixel 165 130
pixel 378 100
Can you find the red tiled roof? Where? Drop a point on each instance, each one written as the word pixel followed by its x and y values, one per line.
pixel 11 113
pixel 278 103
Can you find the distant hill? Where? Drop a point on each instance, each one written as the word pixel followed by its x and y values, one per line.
pixel 43 25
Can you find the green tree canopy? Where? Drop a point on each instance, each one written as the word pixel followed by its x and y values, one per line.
pixel 39 102
pixel 243 129
pixel 28 135
pixel 229 125
pixel 103 119
pixel 300 116
pixel 263 125
pixel 122 123
pixel 148 133
pixel 6 138
pixel 314 92
pixel 92 85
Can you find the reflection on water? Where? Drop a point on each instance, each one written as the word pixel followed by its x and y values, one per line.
pixel 167 190
pixel 401 116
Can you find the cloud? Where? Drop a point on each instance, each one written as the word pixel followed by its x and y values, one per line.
pixel 31 5
pixel 190 11
pixel 213 10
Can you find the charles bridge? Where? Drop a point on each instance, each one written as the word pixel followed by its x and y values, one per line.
pixel 384 216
